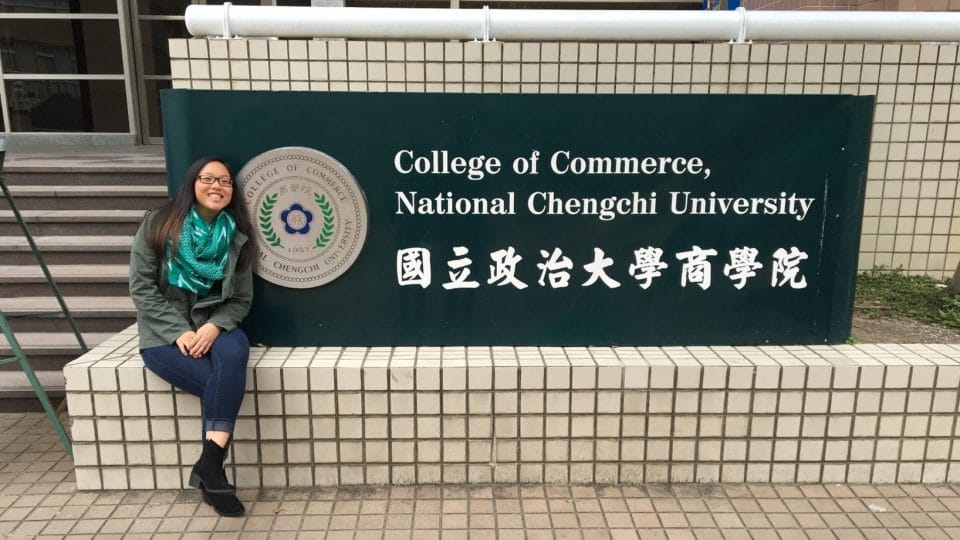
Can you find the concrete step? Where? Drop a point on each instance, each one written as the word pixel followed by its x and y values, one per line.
pixel 48 351
pixel 72 222
pixel 71 279
pixel 92 313
pixel 14 384
pixel 100 176
pixel 82 207
pixel 67 249
pixel 87 197
pixel 126 162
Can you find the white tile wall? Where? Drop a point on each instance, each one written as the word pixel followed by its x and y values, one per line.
pixel 867 413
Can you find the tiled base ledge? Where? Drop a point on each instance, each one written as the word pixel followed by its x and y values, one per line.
pixel 340 416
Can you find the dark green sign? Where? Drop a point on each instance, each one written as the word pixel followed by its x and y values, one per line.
pixel 558 219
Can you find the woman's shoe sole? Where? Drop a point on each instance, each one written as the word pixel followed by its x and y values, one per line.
pixel 206 499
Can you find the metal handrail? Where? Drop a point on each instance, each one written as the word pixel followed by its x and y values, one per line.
pixel 7 330
pixel 38 256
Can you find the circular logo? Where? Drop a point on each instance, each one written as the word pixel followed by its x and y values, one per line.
pixel 308 213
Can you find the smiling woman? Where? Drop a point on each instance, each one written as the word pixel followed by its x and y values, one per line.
pixel 213 190
pixel 191 280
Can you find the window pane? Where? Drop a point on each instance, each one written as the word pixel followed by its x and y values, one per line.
pixel 58 6
pixel 80 106
pixel 162 7
pixel 60 46
pixel 302 3
pixel 153 39
pixel 154 118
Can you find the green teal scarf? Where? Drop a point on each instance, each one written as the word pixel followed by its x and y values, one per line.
pixel 202 253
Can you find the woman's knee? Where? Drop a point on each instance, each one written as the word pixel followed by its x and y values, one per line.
pixel 233 345
pixel 240 337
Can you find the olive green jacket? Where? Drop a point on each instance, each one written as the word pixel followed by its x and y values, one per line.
pixel 165 312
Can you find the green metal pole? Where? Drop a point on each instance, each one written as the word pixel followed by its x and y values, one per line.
pixel 37 388
pixel 37 254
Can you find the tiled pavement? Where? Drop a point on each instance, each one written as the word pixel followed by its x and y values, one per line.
pixel 38 498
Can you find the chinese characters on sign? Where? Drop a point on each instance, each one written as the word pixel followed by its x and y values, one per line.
pixel 413 268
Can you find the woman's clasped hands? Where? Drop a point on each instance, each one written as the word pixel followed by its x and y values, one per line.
pixel 197 343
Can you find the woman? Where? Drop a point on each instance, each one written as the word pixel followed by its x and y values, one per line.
pixel 190 278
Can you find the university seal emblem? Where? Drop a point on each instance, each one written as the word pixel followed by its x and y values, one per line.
pixel 309 216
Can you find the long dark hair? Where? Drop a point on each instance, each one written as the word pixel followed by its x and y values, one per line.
pixel 169 219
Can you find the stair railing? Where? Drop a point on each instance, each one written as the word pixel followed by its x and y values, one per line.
pixel 18 354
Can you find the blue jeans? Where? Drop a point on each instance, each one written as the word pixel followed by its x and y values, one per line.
pixel 218 378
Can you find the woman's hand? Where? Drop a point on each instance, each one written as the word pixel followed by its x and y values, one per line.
pixel 203 339
pixel 183 342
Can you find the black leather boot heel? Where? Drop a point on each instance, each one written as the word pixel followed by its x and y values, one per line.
pixel 208 473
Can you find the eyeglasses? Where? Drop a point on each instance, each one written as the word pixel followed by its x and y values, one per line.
pixel 224 181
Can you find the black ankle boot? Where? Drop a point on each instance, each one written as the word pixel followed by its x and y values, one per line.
pixel 225 504
pixel 208 473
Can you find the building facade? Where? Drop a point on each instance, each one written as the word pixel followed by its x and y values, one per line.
pixel 88 71
pixel 91 71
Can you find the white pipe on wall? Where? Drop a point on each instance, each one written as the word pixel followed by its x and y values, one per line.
pixel 309 22
pixel 854 25
pixel 544 24
pixel 540 24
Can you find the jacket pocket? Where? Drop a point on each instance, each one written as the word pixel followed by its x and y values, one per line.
pixel 175 296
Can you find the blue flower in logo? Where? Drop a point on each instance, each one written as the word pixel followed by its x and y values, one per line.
pixel 296 219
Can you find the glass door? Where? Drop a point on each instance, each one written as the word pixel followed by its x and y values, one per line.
pixel 63 68
pixel 154 22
